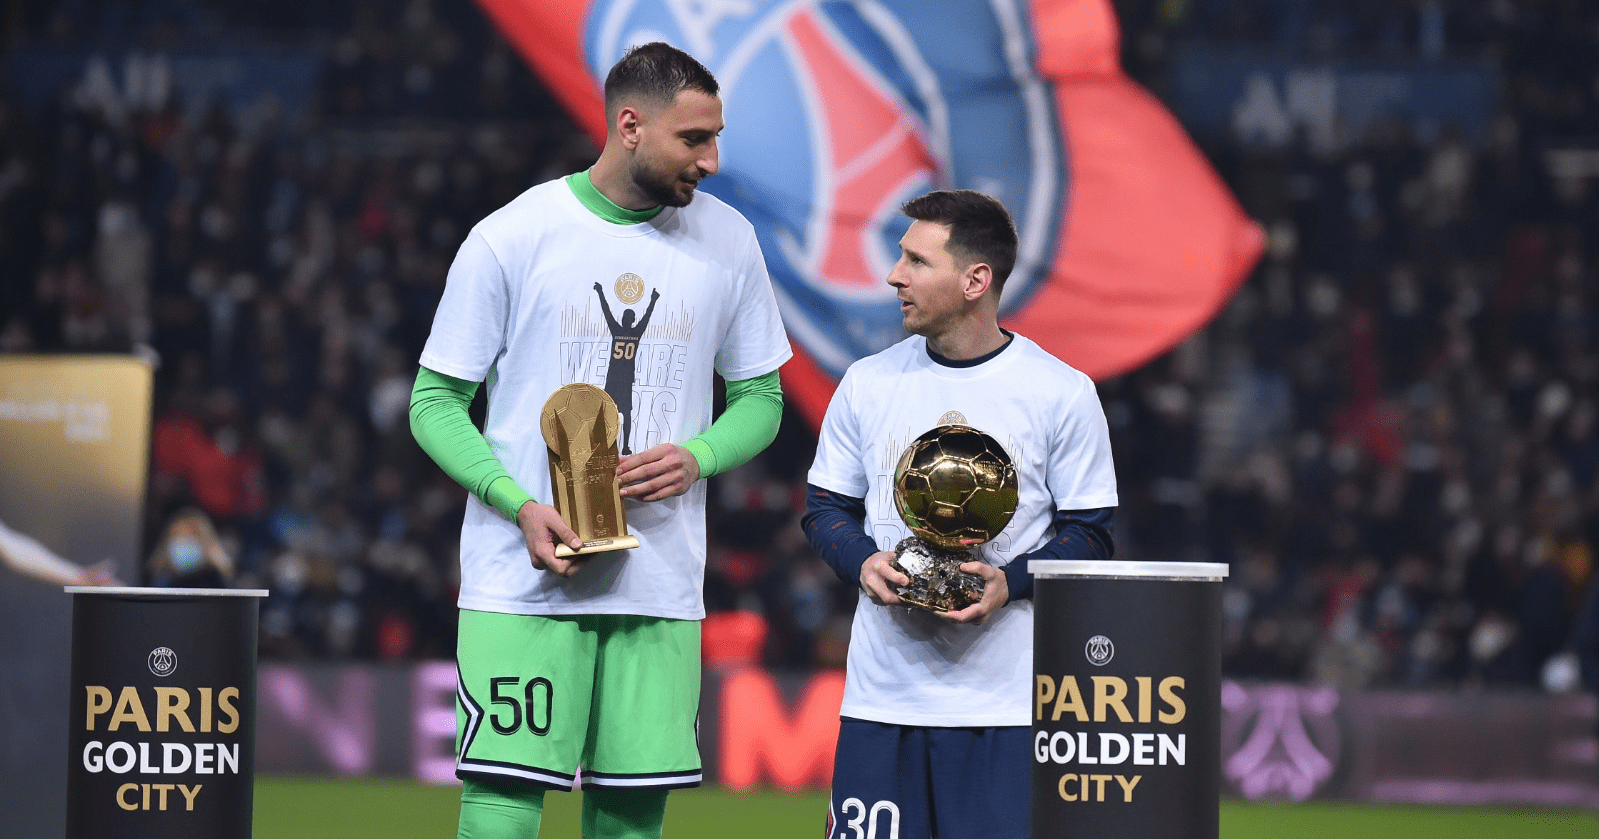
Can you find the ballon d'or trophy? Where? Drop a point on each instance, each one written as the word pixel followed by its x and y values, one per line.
pixel 955 487
pixel 580 422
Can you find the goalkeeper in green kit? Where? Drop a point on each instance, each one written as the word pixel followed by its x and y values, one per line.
pixel 586 669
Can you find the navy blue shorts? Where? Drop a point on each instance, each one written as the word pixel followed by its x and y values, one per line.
pixel 908 782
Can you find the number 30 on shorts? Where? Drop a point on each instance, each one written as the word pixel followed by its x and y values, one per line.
pixel 861 822
pixel 531 703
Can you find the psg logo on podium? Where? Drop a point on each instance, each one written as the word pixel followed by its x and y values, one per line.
pixel 1099 650
pixel 163 661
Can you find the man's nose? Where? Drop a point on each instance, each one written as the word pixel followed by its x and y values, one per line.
pixel 711 160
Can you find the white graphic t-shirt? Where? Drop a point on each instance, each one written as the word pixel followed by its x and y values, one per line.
pixel 544 293
pixel 909 667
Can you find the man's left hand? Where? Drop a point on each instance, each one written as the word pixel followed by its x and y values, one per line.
pixel 996 592
pixel 660 472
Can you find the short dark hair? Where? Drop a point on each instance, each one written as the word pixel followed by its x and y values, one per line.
pixel 655 72
pixel 980 228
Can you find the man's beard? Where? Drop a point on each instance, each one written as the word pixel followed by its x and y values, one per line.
pixel 663 191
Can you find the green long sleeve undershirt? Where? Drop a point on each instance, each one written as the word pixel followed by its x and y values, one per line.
pixel 442 426
pixel 747 425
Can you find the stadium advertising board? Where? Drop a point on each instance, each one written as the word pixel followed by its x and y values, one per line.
pixel 1269 100
pixel 1279 742
pixel 189 77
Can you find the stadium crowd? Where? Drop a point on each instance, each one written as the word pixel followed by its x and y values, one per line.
pixel 1391 434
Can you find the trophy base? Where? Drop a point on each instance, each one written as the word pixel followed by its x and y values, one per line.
pixel 937 583
pixel 595 546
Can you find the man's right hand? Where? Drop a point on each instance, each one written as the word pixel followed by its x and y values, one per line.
pixel 543 528
pixel 880 580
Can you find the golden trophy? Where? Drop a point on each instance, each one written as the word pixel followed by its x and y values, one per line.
pixel 580 422
pixel 955 487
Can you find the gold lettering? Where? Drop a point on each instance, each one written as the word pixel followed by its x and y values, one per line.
pixel 1146 696
pixel 122 796
pixel 205 709
pixel 1109 692
pixel 1069 698
pixel 129 709
pixel 170 704
pixel 99 703
pixel 225 701
pixel 189 795
pixel 1075 787
pixel 163 789
pixel 1168 691
pixel 1045 692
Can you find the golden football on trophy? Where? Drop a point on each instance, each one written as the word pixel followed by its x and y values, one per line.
pixel 955 487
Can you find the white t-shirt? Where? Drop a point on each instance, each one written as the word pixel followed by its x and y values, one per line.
pixel 520 310
pixel 909 667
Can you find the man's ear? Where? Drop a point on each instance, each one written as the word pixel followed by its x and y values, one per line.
pixel 976 280
pixel 627 126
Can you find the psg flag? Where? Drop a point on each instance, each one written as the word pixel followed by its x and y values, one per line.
pixel 838 111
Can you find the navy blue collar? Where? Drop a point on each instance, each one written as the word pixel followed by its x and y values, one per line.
pixel 971 362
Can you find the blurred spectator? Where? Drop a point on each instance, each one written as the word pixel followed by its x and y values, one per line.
pixel 190 554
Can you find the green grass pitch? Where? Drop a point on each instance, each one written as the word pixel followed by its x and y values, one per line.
pixel 310 808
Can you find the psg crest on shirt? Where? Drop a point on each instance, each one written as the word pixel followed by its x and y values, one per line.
pixel 851 109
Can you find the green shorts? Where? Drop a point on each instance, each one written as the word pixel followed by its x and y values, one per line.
pixel 539 696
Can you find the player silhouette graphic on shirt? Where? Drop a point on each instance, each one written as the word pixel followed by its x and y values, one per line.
pixel 619 374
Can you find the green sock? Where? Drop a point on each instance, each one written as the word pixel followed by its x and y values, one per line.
pixel 623 813
pixel 496 809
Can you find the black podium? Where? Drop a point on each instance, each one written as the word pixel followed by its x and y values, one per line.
pixel 1126 699
pixel 161 726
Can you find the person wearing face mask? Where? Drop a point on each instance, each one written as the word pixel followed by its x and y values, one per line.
pixel 190 555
